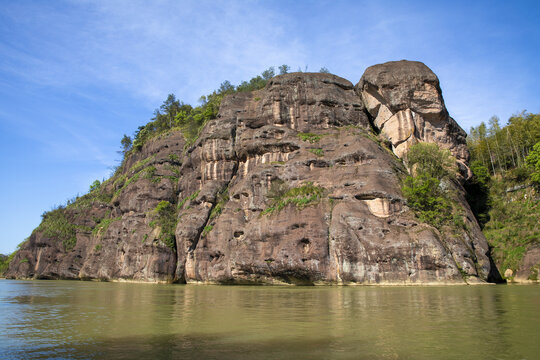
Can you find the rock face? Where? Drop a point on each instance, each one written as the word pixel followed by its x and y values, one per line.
pixel 405 103
pixel 288 185
pixel 529 267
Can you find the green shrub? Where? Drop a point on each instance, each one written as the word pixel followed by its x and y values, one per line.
pixel 165 217
pixel 428 159
pixel 533 162
pixel 88 200
pixel 222 199
pixel 207 230
pixel 5 260
pixel 423 191
pixel 302 196
pixel 102 227
pixel 188 198
pixel 56 225
pixel 425 197
pixel 519 174
pixel 174 159
pixel 95 185
pixel 318 152
pixel 127 182
pixel 513 225
pixel 150 174
pixel 139 165
pixel 309 137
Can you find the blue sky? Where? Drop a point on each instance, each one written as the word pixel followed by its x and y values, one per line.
pixel 76 75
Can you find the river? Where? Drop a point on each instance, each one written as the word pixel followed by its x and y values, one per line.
pixel 85 320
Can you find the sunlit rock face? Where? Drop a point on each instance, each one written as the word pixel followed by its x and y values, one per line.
pixel 405 103
pixel 303 130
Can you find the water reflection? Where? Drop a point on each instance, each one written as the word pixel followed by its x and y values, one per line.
pixel 63 319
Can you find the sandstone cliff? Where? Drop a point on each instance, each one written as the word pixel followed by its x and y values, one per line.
pixel 299 182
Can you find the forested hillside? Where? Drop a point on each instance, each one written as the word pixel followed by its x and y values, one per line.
pixel 504 191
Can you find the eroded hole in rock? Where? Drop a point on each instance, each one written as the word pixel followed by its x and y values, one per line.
pixel 236 196
pixel 365 197
pixel 354 158
pixel 305 241
pixel 317 164
pixel 336 197
pixel 238 233
pixel 329 102
pixel 215 256
pixel 360 228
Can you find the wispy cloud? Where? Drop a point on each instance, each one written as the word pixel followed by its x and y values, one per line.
pixel 76 75
pixel 150 50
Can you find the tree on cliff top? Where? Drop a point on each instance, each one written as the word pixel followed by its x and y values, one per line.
pixel 190 120
pixel 284 69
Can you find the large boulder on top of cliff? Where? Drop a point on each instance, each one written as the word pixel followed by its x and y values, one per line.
pixel 303 102
pixel 405 103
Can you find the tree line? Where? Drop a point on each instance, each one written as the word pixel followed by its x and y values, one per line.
pixel 503 148
pixel 177 115
pixel 510 153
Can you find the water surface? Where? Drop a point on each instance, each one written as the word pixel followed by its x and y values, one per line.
pixel 81 320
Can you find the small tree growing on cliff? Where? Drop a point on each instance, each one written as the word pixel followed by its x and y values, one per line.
pixel 126 144
pixel 422 189
pixel 284 69
pixel 428 159
pixel 268 73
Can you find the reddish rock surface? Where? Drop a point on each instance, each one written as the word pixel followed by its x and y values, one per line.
pixel 405 103
pixel 302 131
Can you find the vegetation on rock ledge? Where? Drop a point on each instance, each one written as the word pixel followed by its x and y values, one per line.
pixel 164 216
pixel 281 196
pixel 56 225
pixel 427 190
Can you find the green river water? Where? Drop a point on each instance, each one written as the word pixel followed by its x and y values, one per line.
pixel 87 320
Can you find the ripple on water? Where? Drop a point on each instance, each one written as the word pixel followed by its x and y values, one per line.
pixel 69 319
